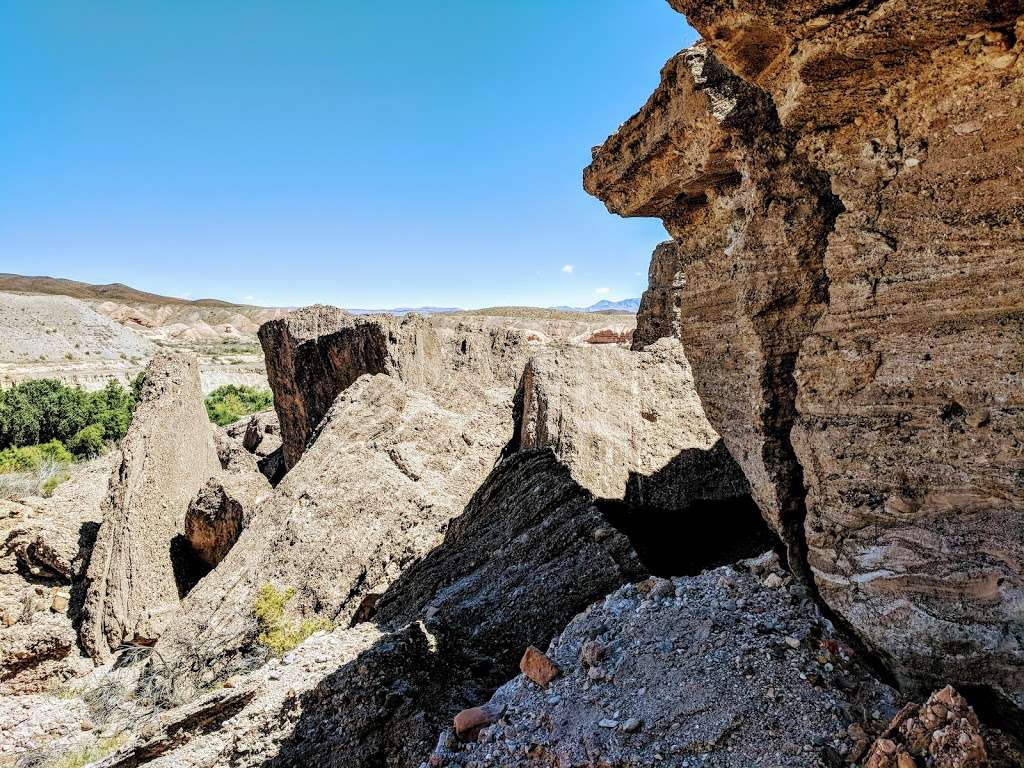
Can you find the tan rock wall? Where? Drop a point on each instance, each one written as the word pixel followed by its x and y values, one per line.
pixel 852 300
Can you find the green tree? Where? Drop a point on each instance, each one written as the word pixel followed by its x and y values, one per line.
pixel 111 408
pixel 88 442
pixel 19 420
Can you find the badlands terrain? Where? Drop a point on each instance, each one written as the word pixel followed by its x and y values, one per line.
pixel 86 334
pixel 780 525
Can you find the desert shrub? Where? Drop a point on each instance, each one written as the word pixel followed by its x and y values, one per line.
pixel 227 404
pixel 32 457
pixel 88 442
pixel 277 634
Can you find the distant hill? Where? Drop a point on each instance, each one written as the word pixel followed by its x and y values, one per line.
pixel 626 306
pixel 406 311
pixel 59 286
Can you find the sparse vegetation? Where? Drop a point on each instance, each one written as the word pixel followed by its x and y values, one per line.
pixel 76 758
pixel 277 634
pixel 229 403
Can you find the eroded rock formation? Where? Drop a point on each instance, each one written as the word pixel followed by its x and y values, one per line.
pixel 842 185
pixel 166 456
pixel 398 454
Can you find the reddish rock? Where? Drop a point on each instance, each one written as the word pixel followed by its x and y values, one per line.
pixel 469 722
pixel 538 667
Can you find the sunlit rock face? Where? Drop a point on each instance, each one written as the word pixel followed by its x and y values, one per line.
pixel 843 186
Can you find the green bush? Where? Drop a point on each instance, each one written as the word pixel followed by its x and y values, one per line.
pixel 32 457
pixel 227 404
pixel 277 634
pixel 88 442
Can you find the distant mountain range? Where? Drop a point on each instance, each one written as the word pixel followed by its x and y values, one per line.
pixel 631 306
pixel 117 292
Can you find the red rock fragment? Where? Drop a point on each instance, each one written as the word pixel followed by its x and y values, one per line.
pixel 469 722
pixel 538 667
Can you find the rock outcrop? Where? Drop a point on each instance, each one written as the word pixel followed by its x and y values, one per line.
pixel 315 353
pixel 394 459
pixel 44 551
pixel 842 186
pixel 168 453
pixel 530 549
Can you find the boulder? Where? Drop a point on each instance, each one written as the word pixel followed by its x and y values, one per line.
pixel 844 276
pixel 226 503
pixel 167 455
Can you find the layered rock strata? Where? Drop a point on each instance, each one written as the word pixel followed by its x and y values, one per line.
pixel 842 185
pixel 168 453
pixel 393 460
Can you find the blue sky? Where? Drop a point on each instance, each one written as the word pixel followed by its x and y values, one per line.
pixel 359 153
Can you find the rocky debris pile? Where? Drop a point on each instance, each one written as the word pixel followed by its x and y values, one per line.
pixel 944 733
pixel 44 551
pixel 844 276
pixel 726 668
pixel 168 453
pixel 34 722
pixel 260 435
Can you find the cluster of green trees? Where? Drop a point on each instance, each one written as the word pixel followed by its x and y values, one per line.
pixel 227 404
pixel 47 419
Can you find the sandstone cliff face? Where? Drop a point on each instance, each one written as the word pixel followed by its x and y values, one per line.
pixel 843 189
pixel 166 456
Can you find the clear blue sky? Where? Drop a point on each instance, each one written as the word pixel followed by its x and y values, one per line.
pixel 361 153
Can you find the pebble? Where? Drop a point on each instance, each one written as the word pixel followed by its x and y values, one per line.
pixel 792 642
pixel 632 725
pixel 773 581
pixel 608 723
pixel 289 658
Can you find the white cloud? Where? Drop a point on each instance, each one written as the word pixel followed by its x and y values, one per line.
pixel 603 291
pixel 248 298
pixel 568 268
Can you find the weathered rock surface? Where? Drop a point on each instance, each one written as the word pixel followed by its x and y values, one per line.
pixel 395 458
pixel 45 549
pixel 610 413
pixel 842 185
pixel 226 503
pixel 166 456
